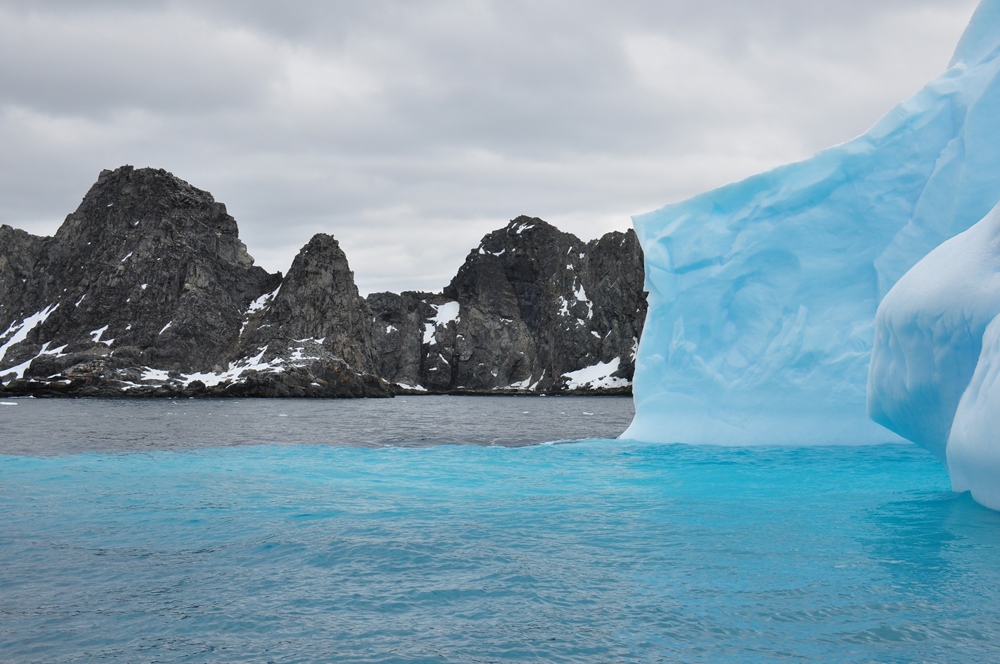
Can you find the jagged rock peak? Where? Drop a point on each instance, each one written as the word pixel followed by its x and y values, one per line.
pixel 522 231
pixel 147 273
pixel 146 289
pixel 523 224
pixel 317 311
pixel 129 202
pixel 532 308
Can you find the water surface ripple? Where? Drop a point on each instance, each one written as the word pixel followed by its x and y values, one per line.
pixel 598 551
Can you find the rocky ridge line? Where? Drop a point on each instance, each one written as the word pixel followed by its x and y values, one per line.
pixel 532 309
pixel 146 290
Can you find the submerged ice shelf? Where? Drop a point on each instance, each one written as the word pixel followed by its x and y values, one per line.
pixel 763 293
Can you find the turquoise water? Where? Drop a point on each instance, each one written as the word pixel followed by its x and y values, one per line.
pixel 599 551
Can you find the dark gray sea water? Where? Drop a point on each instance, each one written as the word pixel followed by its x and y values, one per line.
pixel 68 426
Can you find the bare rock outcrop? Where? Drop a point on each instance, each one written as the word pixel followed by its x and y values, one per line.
pixel 314 329
pixel 144 289
pixel 531 309
pixel 147 290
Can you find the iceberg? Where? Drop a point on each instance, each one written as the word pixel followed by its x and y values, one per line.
pixel 929 333
pixel 973 449
pixel 763 293
pixel 935 371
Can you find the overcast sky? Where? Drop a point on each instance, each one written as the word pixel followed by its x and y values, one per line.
pixel 410 129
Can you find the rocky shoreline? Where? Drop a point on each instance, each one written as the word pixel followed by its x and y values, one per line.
pixel 147 291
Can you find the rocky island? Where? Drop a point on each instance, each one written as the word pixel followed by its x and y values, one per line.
pixel 147 290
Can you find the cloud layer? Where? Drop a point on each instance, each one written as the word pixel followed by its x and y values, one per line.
pixel 409 130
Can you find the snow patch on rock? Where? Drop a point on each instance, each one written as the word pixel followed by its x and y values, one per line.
pixel 595 377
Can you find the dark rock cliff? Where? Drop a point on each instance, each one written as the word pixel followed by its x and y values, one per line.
pixel 315 326
pixel 404 330
pixel 532 308
pixel 144 286
pixel 147 290
pixel 19 251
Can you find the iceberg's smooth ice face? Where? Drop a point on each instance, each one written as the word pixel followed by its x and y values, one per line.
pixel 762 294
pixel 929 333
pixel 974 444
pixel 935 370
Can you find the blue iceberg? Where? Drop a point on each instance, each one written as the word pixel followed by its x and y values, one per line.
pixel 763 293
pixel 935 370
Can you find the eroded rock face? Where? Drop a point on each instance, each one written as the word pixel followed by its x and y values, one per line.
pixel 149 262
pixel 315 320
pixel 403 331
pixel 146 290
pixel 532 308
pixel 19 251
pixel 147 287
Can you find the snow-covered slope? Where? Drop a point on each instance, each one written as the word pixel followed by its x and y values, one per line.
pixel 762 294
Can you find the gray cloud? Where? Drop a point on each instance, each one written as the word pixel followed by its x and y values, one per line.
pixel 409 130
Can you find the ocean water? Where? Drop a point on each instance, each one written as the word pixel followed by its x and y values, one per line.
pixel 39 426
pixel 218 531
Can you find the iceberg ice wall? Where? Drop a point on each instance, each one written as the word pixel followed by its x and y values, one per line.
pixel 935 370
pixel 762 293
pixel 929 332
pixel 973 451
